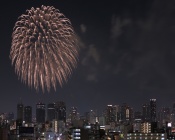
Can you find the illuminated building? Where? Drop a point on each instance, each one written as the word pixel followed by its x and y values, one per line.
pixel 20 111
pixel 164 115
pixel 153 110
pixel 146 136
pixel 55 126
pixel 73 115
pixel 88 132
pixel 92 117
pixel 110 116
pixel 146 127
pixel 51 111
pixel 102 120
pixel 40 113
pixel 60 111
pixel 137 115
pixel 75 134
pixel 116 110
pixel 126 113
pixel 28 114
pixel 146 112
pixel 2 117
pixel 137 125
pixel 10 116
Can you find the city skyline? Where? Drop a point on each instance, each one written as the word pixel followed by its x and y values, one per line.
pixel 116 121
pixel 148 107
pixel 126 54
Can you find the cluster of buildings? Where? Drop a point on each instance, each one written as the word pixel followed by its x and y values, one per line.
pixel 117 122
pixel 48 123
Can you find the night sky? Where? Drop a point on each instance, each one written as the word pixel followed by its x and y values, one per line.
pixel 127 54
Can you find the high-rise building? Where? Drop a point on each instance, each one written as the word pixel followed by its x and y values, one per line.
pixel 51 111
pixel 153 110
pixel 3 117
pixel 164 115
pixel 40 113
pixel 126 113
pixel 146 127
pixel 73 115
pixel 101 120
pixel 20 112
pixel 109 115
pixel 55 126
pixel 129 114
pixel 11 116
pixel 137 125
pixel 137 115
pixel 116 112
pixel 28 114
pixel 92 116
pixel 146 112
pixel 60 111
pixel 87 117
pixel 123 112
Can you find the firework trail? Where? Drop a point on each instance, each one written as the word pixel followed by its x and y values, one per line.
pixel 44 48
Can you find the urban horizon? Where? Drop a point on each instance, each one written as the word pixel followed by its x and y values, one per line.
pixel 98 111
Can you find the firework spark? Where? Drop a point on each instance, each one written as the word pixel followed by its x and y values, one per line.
pixel 44 48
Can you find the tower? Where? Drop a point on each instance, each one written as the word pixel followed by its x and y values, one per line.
pixel 40 112
pixel 28 114
pixel 73 114
pixel 20 111
pixel 51 111
pixel 116 112
pixel 60 111
pixel 146 112
pixel 92 116
pixel 126 113
pixel 153 110
pixel 110 116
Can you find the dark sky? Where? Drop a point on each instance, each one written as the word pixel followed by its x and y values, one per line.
pixel 127 54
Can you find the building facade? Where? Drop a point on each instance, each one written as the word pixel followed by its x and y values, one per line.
pixel 60 111
pixel 146 136
pixel 153 110
pixel 51 111
pixel 20 112
pixel 40 113
pixel 146 112
pixel 28 114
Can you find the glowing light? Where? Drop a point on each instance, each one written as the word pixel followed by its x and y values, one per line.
pixel 44 48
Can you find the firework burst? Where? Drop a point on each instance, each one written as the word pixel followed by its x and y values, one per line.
pixel 44 48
